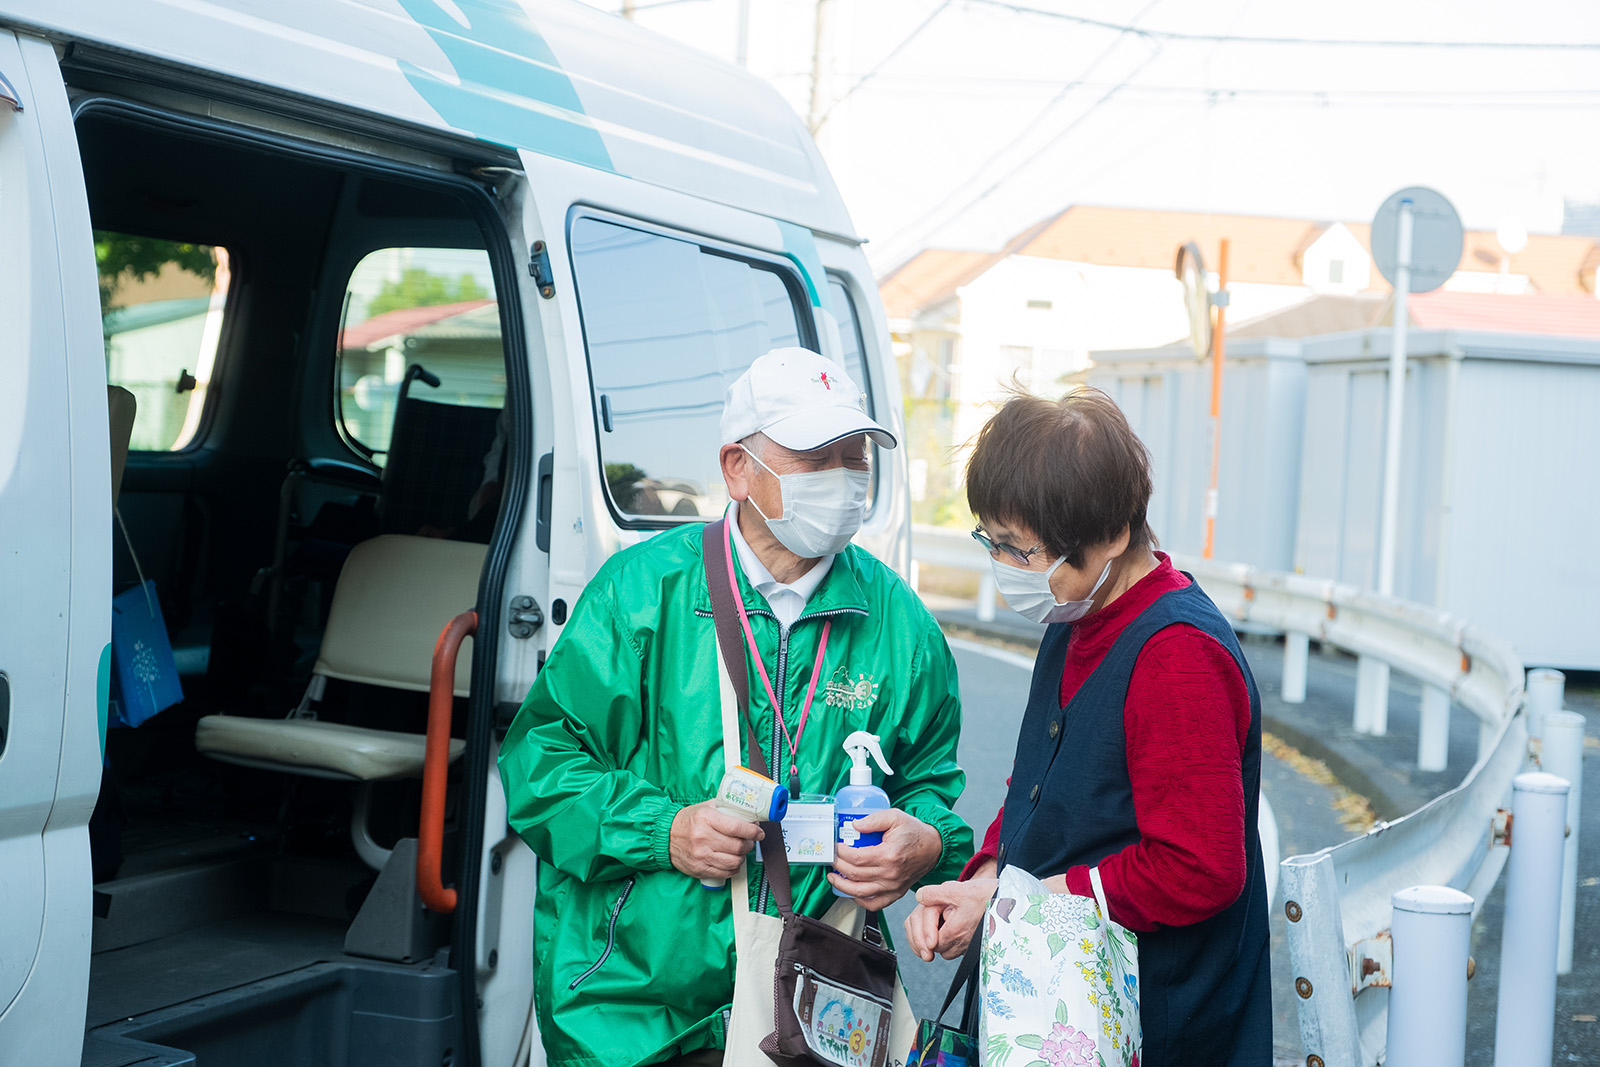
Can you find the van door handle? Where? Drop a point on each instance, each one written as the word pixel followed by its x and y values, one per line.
pixel 436 764
pixel 5 711
pixel 541 521
pixel 8 94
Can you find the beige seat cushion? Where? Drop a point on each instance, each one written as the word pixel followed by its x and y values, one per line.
pixel 394 595
pixel 314 748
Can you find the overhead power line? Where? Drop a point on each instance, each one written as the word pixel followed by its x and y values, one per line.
pixel 879 65
pixel 1339 42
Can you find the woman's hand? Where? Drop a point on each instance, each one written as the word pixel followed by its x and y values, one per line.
pixel 946 917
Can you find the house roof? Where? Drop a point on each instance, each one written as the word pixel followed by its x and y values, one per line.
pixel 1559 316
pixel 1317 315
pixel 404 321
pixel 1261 249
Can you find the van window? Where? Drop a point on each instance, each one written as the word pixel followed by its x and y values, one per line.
pixel 429 307
pixel 669 325
pixel 161 309
pixel 855 360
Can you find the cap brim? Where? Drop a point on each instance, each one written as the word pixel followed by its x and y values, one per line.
pixel 808 430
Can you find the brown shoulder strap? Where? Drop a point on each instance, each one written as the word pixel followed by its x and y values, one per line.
pixel 726 616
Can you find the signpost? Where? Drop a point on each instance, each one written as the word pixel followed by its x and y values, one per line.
pixel 1416 245
pixel 1207 336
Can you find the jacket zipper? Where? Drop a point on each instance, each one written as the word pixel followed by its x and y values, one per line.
pixel 611 935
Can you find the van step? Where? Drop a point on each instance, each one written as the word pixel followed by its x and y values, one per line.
pixel 143 907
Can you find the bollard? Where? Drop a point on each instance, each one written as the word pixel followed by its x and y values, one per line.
pixel 1372 696
pixel 1562 756
pixel 1525 1019
pixel 986 595
pixel 1296 658
pixel 1546 691
pixel 1432 935
pixel 1321 967
pixel 1433 735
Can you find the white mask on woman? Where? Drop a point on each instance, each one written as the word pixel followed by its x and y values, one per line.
pixel 1028 593
pixel 822 510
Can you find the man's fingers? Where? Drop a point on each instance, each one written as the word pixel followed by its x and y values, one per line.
pixel 877 822
pixel 922 931
pixel 943 894
pixel 729 826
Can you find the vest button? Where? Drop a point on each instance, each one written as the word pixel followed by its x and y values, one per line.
pixel 1033 794
pixel 1002 856
pixel 1055 728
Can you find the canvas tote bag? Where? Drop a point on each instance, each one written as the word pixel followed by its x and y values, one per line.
pixel 758 938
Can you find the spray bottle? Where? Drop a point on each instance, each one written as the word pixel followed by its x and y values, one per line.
pixel 860 798
pixel 753 797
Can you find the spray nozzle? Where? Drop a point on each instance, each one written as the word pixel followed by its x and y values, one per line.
pixel 858 745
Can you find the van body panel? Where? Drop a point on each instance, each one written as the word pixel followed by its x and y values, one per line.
pixel 553 77
pixel 55 571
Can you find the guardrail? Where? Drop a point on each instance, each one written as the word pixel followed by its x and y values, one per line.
pixel 1338 901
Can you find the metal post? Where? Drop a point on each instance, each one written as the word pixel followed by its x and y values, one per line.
pixel 1546 691
pixel 1525 1020
pixel 1433 736
pixel 1372 696
pixel 986 595
pixel 1562 755
pixel 1296 660
pixel 1432 934
pixel 1397 400
pixel 1219 348
pixel 1319 960
pixel 742 52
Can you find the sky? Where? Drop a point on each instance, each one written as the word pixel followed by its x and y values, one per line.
pixel 958 123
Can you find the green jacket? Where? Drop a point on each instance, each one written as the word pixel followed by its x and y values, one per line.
pixel 623 728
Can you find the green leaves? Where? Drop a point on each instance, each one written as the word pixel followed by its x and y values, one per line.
pixel 1034 915
pixel 1056 943
pixel 1033 1041
pixel 1061 1012
pixel 999 1050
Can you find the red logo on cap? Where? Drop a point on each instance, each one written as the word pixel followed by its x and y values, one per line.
pixel 823 378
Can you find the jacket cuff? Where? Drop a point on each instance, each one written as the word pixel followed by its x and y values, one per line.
pixel 1078 883
pixel 983 855
pixel 660 857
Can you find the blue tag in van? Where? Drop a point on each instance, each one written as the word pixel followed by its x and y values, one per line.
pixel 141 657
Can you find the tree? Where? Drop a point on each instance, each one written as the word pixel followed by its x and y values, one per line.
pixel 419 288
pixel 121 257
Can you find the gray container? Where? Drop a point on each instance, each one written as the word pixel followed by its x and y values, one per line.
pixel 1499 516
pixel 1166 395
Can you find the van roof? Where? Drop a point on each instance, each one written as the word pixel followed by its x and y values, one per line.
pixel 553 77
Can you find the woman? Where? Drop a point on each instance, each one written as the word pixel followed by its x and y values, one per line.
pixel 1140 749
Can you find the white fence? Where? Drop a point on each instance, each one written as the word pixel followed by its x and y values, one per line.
pixel 1338 901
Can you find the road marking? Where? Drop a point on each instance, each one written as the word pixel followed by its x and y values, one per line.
pixel 1012 659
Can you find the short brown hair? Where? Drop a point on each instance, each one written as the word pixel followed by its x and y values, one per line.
pixel 1071 470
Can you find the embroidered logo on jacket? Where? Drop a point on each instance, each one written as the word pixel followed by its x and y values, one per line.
pixel 860 694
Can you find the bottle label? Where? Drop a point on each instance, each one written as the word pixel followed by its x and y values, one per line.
pixel 846 834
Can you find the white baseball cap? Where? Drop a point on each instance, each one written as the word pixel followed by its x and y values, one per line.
pixel 800 400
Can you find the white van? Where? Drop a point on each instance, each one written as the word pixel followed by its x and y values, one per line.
pixel 408 311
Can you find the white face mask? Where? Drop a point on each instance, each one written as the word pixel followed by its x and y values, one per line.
pixel 1028 593
pixel 822 510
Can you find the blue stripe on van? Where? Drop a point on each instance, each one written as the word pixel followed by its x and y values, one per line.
pixel 102 695
pixel 502 48
pixel 800 246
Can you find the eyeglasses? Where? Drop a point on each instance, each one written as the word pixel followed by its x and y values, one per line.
pixel 994 548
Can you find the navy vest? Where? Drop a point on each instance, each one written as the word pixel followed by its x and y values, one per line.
pixel 1205 996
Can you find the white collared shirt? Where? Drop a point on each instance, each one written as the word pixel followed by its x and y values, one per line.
pixel 787 600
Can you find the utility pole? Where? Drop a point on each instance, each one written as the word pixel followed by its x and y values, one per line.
pixel 742 49
pixel 627 9
pixel 815 111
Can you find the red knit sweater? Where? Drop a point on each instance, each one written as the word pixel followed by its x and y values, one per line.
pixel 1186 717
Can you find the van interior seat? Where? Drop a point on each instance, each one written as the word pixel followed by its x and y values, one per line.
pixel 394 594
pixel 121 407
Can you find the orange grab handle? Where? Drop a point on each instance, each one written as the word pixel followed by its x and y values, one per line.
pixel 436 763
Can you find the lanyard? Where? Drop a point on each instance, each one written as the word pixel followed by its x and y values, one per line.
pixel 755 654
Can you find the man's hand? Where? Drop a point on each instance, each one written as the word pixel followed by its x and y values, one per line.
pixel 706 843
pixel 946 917
pixel 879 875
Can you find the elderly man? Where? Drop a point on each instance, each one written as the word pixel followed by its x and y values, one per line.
pixel 610 765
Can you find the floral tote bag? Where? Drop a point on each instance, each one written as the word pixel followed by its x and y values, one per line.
pixel 1059 979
